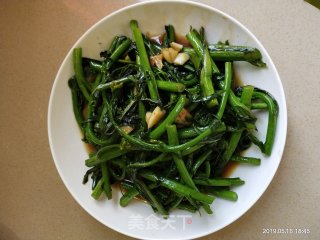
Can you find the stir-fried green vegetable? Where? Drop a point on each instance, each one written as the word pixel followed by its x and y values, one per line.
pixel 166 119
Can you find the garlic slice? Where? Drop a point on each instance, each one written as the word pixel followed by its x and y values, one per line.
pixel 157 61
pixel 169 54
pixel 148 115
pixel 127 129
pixel 181 59
pixel 184 118
pixel 155 117
pixel 176 46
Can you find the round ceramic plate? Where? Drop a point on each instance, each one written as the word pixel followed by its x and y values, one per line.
pixel 137 219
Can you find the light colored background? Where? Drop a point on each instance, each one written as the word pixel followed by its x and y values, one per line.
pixel 34 38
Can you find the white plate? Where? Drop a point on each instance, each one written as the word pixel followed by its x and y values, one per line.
pixel 137 220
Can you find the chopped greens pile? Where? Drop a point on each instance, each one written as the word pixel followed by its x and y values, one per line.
pixel 165 118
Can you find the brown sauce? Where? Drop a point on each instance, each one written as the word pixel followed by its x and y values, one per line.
pixel 229 169
pixel 85 111
pixel 236 80
pixel 89 148
pixel 181 39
